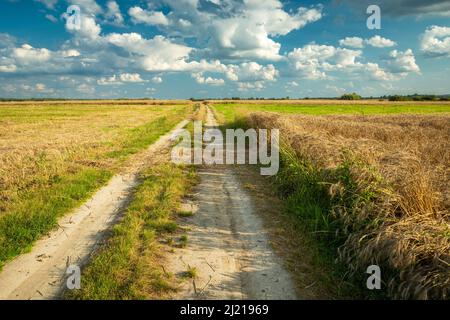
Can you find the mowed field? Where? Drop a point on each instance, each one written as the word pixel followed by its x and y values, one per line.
pixel 53 156
pixel 370 182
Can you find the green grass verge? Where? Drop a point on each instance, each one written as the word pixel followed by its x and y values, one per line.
pixel 305 189
pixel 126 267
pixel 38 211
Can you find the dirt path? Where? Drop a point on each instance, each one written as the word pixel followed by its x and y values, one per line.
pixel 40 274
pixel 227 244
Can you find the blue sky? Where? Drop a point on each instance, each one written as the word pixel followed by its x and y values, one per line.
pixel 222 48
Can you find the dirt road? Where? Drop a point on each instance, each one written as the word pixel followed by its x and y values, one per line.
pixel 227 243
pixel 41 273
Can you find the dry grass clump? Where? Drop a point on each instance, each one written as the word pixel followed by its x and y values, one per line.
pixel 387 186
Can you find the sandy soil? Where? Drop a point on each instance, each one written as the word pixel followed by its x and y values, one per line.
pixel 41 273
pixel 227 244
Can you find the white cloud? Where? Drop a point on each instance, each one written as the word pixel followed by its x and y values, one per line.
pixel 403 62
pixel 380 42
pixel 41 87
pixel 88 7
pixel 157 54
pixel 238 30
pixel 199 78
pixel 157 79
pixel 375 72
pixel 246 86
pixel 251 71
pixel 139 15
pixel 131 77
pixel 8 68
pixel 436 41
pixel 359 43
pixel 89 29
pixel 113 14
pixel 106 81
pixel 70 53
pixel 120 79
pixel 27 54
pixel 352 42
pixel 313 60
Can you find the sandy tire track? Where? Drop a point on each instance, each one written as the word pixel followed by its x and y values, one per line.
pixel 227 243
pixel 41 273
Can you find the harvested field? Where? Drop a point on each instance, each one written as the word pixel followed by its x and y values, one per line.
pixel 54 156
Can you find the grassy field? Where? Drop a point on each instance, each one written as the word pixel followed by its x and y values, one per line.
pixel 54 156
pixel 372 187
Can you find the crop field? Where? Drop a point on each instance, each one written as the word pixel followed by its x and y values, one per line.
pixel 369 181
pixel 53 156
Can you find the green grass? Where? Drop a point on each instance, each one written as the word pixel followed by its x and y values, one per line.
pixel 191 272
pixel 38 211
pixel 127 267
pixel 35 211
pixel 185 214
pixel 233 111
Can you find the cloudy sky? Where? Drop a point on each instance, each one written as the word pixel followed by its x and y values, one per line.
pixel 222 48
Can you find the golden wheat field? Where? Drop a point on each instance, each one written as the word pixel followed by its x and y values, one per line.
pixel 386 180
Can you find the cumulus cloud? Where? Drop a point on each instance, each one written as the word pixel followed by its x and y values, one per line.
pixel 380 42
pixel 246 86
pixel 120 79
pixel 201 79
pixel 233 29
pixel 131 77
pixel 403 62
pixel 352 42
pixel 106 81
pixel 113 14
pixel 139 15
pixel 251 71
pixel 26 54
pixel 435 42
pixel 88 7
pixel 315 62
pixel 359 43
pixel 8 68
